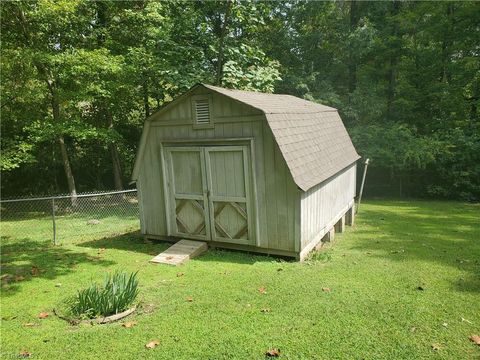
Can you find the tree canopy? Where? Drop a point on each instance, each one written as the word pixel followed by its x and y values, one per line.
pixel 78 79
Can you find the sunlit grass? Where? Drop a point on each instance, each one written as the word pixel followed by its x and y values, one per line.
pixel 211 307
pixel 69 228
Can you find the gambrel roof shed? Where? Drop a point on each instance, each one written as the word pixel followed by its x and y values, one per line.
pixel 311 136
pixel 245 170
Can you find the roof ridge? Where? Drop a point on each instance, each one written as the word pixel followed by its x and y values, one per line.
pixel 256 98
pixel 304 112
pixel 247 91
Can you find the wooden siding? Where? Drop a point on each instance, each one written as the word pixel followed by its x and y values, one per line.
pixel 277 198
pixel 223 110
pixel 150 186
pixel 325 203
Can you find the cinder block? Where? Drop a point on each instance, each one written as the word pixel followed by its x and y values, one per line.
pixel 329 236
pixel 340 225
pixel 350 216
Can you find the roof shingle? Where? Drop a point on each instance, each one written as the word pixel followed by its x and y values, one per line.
pixel 311 136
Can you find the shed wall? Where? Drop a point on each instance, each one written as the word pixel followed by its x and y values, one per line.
pixel 277 197
pixel 324 204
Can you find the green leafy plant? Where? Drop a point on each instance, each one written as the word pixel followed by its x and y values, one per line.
pixel 118 292
pixel 321 256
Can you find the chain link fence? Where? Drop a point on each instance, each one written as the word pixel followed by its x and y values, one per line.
pixel 63 219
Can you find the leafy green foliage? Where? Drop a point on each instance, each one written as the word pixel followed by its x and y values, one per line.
pixel 117 294
pixel 405 78
pixel 404 75
pixel 457 167
pixel 394 146
pixel 242 73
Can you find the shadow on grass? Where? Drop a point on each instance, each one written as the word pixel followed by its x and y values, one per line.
pixel 134 242
pixel 442 233
pixel 28 260
pixel 241 257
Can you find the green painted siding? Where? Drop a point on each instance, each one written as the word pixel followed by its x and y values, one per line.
pixel 277 199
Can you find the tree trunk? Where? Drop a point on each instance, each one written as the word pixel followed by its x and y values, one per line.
pixel 223 34
pixel 146 105
pixel 474 118
pixel 61 142
pixel 352 66
pixel 68 170
pixel 394 54
pixel 117 170
pixel 51 86
pixel 116 165
pixel 56 189
pixel 446 75
pixel 400 185
pixel 98 174
pixel 391 78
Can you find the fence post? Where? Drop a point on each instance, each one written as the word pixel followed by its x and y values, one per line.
pixel 363 183
pixel 53 223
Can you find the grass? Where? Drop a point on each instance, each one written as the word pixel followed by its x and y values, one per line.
pixel 374 309
pixel 70 227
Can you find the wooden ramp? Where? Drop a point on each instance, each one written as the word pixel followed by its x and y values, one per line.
pixel 180 252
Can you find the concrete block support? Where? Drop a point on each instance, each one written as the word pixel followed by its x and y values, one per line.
pixel 329 236
pixel 340 225
pixel 350 216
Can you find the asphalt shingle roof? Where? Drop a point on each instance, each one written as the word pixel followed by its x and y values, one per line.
pixel 311 136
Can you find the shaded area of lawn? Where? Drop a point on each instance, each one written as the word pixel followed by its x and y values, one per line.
pixel 26 260
pixel 134 242
pixel 357 298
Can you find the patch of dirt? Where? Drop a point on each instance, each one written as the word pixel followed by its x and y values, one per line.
pixel 147 308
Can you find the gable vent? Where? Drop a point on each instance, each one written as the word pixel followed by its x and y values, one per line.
pixel 202 111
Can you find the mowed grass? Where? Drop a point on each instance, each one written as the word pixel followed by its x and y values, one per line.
pixel 374 309
pixel 69 227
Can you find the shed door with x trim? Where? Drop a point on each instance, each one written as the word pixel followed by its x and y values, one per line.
pixel 210 193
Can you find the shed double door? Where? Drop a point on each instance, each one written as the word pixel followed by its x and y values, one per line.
pixel 209 190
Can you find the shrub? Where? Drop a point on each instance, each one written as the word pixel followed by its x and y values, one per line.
pixel 118 292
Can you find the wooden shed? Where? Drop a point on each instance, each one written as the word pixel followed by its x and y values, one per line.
pixel 245 170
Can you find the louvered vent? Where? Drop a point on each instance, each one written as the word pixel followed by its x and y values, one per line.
pixel 202 110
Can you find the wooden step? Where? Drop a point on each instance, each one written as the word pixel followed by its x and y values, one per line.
pixel 180 252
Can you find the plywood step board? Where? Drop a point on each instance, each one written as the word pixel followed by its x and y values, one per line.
pixel 180 252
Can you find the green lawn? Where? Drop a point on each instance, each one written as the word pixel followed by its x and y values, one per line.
pixel 373 311
pixel 22 222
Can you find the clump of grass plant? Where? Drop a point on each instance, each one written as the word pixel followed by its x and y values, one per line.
pixel 117 294
pixel 323 255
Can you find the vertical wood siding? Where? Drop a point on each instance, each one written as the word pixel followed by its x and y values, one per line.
pixel 277 197
pixel 324 202
pixel 150 186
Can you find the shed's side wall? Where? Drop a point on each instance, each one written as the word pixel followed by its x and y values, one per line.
pixel 324 204
pixel 277 196
pixel 280 201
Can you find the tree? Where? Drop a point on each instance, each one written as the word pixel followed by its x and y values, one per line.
pixel 79 79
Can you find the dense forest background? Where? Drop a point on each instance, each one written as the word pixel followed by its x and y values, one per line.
pixel 78 79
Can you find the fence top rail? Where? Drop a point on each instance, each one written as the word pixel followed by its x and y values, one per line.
pixel 81 195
